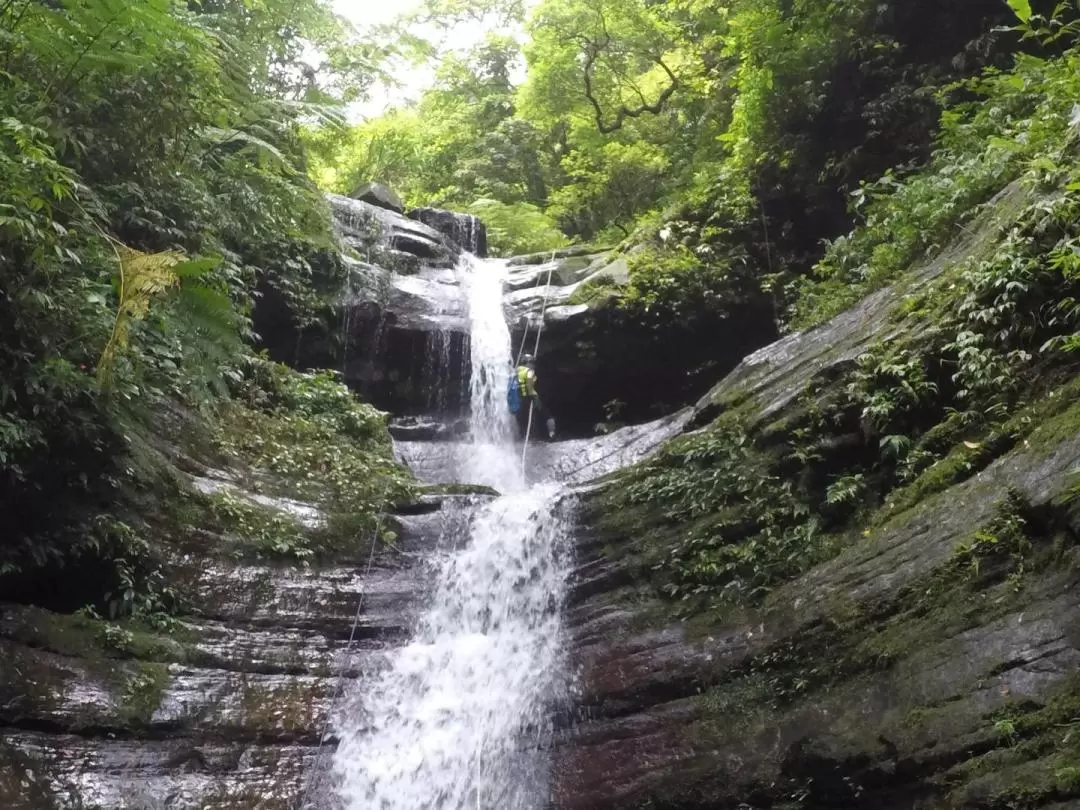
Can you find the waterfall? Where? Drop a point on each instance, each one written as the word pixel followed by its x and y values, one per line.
pixel 489 458
pixel 459 717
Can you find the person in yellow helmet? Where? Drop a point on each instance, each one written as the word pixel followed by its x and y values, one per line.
pixel 526 380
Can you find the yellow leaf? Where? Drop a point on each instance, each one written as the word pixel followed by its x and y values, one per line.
pixel 142 276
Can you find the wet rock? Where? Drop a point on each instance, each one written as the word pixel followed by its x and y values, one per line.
pixel 864 683
pixel 464 230
pixel 578 461
pixel 380 195
pixel 161 774
pixel 402 339
pixel 596 363
pixel 669 713
pixel 559 253
pixel 226 710
pixel 418 428
pixel 369 229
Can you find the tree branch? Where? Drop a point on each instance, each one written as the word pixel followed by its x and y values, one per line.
pixel 593 49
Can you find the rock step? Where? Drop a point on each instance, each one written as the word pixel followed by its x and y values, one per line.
pixel 41 689
pixel 313 598
pixel 179 774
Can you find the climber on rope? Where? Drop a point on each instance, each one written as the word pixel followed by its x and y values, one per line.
pixel 524 402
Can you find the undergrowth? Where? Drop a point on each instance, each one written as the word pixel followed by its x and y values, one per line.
pixel 305 435
pixel 984 358
pixel 1005 124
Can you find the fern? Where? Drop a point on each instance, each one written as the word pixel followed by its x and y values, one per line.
pixel 141 277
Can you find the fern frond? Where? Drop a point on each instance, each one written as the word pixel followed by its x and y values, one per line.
pixel 221 137
pixel 141 277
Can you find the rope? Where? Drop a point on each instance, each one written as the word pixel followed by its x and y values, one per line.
pixel 305 795
pixel 525 334
pixel 528 430
pixel 536 350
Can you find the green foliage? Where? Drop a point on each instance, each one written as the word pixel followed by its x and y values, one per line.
pixel 1006 538
pixel 746 527
pixel 260 531
pixel 1019 124
pixel 633 112
pixel 517 228
pixel 152 178
pixel 311 432
pixel 890 386
pixel 680 284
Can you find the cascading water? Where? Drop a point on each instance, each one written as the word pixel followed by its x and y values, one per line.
pixel 459 717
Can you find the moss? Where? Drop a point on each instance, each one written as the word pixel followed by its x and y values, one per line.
pixel 1035 758
pixel 962 463
pixel 1050 428
pixel 143 690
pixel 737 706
pixel 1052 418
pixel 597 291
pixel 93 640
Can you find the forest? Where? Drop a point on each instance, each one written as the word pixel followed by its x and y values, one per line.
pixel 164 165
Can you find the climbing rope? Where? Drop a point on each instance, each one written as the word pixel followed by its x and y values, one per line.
pixel 305 794
pixel 536 349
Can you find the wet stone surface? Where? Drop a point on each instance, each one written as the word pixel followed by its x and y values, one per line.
pixel 226 710
pixel 850 686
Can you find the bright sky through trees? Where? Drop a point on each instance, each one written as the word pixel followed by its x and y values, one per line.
pixel 411 80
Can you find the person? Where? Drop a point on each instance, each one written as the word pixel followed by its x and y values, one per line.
pixel 526 382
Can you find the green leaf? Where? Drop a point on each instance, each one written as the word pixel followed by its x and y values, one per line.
pixel 1022 9
pixel 195 267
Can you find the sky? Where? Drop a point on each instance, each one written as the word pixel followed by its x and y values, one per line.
pixel 364 13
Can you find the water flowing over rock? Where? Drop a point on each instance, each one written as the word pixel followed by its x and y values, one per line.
pixel 465 230
pixel 503 658
pixel 458 717
pixel 597 363
pixel 405 327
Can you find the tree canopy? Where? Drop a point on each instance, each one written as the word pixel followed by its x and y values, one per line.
pixel 608 117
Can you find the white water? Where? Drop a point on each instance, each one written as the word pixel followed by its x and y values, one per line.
pixel 459 717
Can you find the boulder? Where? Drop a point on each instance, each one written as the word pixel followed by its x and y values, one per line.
pixel 380 195
pixel 372 232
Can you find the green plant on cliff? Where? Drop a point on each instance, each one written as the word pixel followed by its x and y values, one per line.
pixel 151 186
pixel 729 526
pixel 1019 122
pixel 1005 541
pixel 310 431
pixel 260 531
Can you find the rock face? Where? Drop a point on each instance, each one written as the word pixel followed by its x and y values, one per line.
pixel 883 678
pixel 226 710
pixel 465 230
pixel 595 362
pixel 681 717
pixel 402 339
